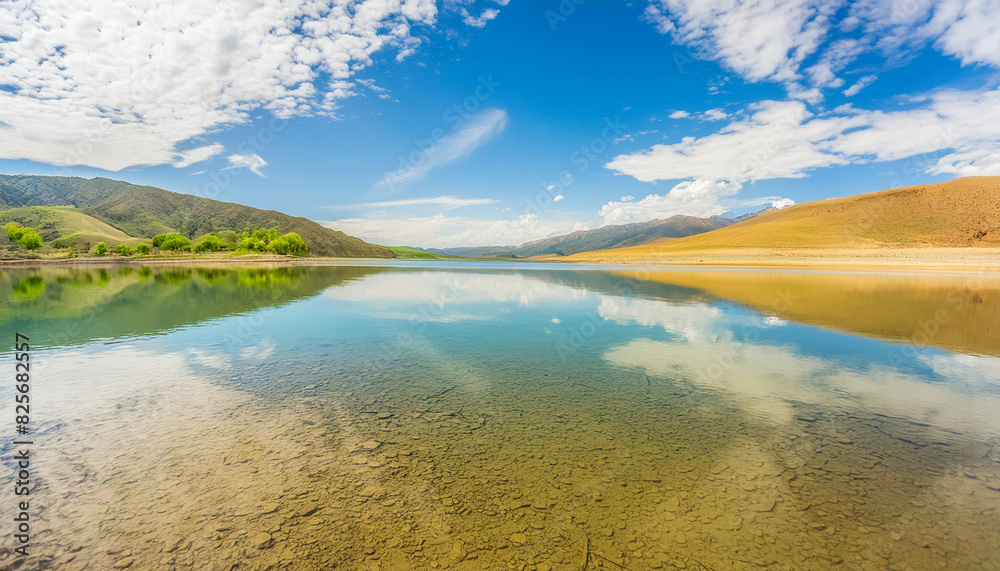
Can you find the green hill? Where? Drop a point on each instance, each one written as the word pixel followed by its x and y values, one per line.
pixel 141 212
pixel 67 225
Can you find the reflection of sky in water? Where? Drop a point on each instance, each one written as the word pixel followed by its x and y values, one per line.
pixel 764 364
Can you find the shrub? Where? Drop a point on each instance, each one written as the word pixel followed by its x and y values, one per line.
pixel 101 249
pixel 290 243
pixel 175 242
pixel 228 236
pixel 158 240
pixel 143 249
pixel 210 243
pixel 123 250
pixel 30 240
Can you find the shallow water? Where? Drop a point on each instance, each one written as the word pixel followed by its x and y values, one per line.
pixel 508 417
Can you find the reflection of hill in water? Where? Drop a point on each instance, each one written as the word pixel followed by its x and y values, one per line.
pixel 955 312
pixel 66 306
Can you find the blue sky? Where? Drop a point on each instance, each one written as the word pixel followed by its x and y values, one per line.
pixel 483 122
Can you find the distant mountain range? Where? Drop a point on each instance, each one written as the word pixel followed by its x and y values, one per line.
pixel 604 238
pixel 86 211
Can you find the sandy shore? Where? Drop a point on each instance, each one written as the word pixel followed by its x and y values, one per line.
pixel 948 259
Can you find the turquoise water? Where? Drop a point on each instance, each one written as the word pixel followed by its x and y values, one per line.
pixel 504 416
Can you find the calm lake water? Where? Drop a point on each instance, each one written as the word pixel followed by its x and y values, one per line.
pixel 506 416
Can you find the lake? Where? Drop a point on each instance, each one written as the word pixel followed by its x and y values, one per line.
pixel 507 416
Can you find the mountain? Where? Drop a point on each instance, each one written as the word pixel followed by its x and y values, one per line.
pixel 964 212
pixel 144 211
pixel 617 236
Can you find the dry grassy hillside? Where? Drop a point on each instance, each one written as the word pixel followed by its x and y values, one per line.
pixel 958 214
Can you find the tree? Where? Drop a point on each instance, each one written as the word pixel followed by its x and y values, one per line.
pixel 30 240
pixel 143 249
pixel 210 243
pixel 228 236
pixel 158 240
pixel 290 243
pixel 101 249
pixel 14 232
pixel 175 242
pixel 123 250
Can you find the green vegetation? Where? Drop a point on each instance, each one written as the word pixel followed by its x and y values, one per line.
pixel 269 241
pixel 415 254
pixel 101 249
pixel 25 237
pixel 143 249
pixel 83 212
pixel 124 250
pixel 211 243
pixel 174 243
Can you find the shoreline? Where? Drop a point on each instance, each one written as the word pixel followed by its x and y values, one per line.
pixel 965 260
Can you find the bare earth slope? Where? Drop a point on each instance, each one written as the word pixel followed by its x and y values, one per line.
pixel 958 220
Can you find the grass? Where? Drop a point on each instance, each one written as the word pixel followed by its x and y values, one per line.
pixel 68 225
pixel 405 253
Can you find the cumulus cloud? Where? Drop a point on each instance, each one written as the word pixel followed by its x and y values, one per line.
pixel 448 202
pixel 478 130
pixel 714 115
pixel 680 114
pixel 440 231
pixel 251 162
pixel 785 140
pixel 771 40
pixel 558 197
pixel 197 155
pixel 700 198
pixel 120 83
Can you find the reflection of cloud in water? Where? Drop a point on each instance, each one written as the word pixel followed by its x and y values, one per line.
pixel 769 381
pixel 260 351
pixel 440 288
pixel 694 323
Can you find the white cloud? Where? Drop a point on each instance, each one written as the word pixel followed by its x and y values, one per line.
pixel 680 114
pixel 479 130
pixel 441 231
pixel 251 162
pixel 627 198
pixel 448 202
pixel 480 21
pixel 714 115
pixel 759 39
pixel 770 40
pixel 785 140
pixel 197 155
pixel 119 83
pixel 859 85
pixel 700 198
pixel 558 198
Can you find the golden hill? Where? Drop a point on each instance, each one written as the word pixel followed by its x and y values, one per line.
pixel 878 226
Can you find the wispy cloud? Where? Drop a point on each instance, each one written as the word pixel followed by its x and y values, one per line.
pixel 252 162
pixel 478 131
pixel 447 202
pixel 197 155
